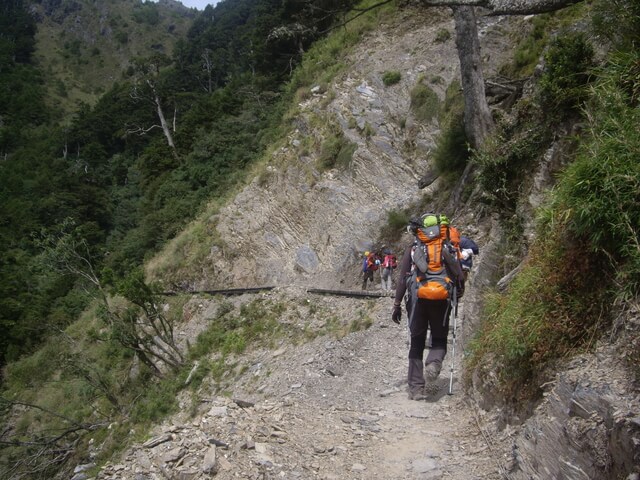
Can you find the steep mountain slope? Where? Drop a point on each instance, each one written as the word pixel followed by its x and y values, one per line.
pixel 85 47
pixel 299 224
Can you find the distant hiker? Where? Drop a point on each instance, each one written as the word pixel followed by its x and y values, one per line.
pixel 389 263
pixel 370 264
pixel 468 248
pixel 430 273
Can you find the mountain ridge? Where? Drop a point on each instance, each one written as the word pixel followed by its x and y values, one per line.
pixel 85 47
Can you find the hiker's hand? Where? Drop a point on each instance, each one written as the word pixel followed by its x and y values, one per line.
pixel 396 314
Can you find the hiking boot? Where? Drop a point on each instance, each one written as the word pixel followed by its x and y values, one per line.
pixel 431 389
pixel 431 371
pixel 416 393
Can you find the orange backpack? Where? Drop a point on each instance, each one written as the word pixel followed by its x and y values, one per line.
pixel 371 262
pixel 429 272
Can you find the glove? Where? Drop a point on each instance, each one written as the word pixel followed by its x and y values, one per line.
pixel 396 314
pixel 466 253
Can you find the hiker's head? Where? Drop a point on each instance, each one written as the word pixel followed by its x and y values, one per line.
pixel 414 223
pixel 367 253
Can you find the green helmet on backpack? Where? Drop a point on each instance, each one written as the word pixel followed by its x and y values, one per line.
pixel 431 219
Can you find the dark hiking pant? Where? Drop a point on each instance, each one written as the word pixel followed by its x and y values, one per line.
pixel 368 275
pixel 429 314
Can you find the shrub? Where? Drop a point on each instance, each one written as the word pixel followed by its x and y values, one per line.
pixel 232 332
pixel 586 253
pixel 122 37
pixel 443 35
pixel 539 319
pixel 397 221
pixel 424 102
pixel 391 77
pixel 336 151
pixel 452 151
pixel 508 157
pixel 368 131
pixel 618 21
pixel 566 75
pixel 529 50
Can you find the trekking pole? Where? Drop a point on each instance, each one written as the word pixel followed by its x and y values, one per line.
pixel 454 312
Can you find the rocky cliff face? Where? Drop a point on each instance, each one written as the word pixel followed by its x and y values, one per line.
pixel 297 225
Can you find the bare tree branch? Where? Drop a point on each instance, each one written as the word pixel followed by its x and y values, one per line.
pixel 141 130
pixel 361 12
pixel 38 407
pixel 504 7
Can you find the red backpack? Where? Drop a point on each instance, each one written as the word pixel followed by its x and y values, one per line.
pixel 390 261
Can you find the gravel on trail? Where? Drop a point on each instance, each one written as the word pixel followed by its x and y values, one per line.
pixel 331 408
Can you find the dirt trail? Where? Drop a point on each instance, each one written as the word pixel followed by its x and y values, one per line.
pixel 327 409
pixel 366 409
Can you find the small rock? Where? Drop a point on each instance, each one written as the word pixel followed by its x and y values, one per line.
pixel 173 455
pixel 262 447
pixel 157 440
pixel 278 352
pixel 83 468
pixel 210 464
pixel 224 464
pixel 218 443
pixel 424 465
pixel 248 445
pixel 333 371
pixel 218 411
pixel 388 392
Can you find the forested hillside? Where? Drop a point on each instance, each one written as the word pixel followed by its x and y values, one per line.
pixel 82 48
pixel 123 176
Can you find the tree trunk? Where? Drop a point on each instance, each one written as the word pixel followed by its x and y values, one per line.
pixel 163 123
pixel 477 116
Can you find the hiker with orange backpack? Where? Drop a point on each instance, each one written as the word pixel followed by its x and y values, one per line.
pixel 430 275
pixel 370 264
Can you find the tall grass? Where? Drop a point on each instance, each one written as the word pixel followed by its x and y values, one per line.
pixel 587 253
pixel 598 197
pixel 452 146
